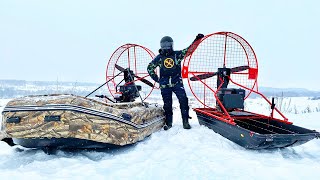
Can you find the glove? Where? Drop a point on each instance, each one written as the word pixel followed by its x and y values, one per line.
pixel 155 78
pixel 199 36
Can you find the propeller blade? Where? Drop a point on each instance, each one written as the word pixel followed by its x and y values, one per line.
pixel 239 68
pixel 141 79
pixel 144 81
pixel 203 76
pixel 211 74
pixel 120 68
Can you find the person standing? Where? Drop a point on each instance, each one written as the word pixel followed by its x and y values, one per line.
pixel 169 62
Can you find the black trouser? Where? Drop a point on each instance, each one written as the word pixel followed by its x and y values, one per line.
pixel 166 93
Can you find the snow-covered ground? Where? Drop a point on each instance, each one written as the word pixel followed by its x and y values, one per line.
pixel 198 153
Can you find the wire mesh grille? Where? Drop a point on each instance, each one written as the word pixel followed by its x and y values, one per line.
pixel 218 50
pixel 136 58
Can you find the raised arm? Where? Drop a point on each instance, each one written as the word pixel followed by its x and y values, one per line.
pixel 184 52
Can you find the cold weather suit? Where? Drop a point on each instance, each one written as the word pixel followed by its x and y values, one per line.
pixel 169 62
pixel 170 81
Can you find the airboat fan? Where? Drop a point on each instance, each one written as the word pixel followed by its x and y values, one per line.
pixel 222 71
pixel 220 60
pixel 127 74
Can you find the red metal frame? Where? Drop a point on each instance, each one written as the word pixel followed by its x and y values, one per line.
pixel 220 103
pixel 256 81
pixel 185 68
pixel 225 50
pixel 116 55
pixel 214 113
pixel 266 99
pixel 224 115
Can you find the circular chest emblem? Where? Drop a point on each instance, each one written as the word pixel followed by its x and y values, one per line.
pixel 168 63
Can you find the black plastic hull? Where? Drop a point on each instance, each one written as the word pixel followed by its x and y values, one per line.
pixel 252 140
pixel 62 143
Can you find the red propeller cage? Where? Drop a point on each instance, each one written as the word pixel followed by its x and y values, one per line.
pixel 218 50
pixel 135 57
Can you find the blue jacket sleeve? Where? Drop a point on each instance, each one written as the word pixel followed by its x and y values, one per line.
pixel 151 67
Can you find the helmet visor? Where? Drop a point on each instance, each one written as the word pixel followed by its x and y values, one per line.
pixel 166 45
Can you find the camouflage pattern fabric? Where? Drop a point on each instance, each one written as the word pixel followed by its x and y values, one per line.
pixel 82 118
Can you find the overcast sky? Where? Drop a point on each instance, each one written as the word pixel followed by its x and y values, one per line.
pixel 72 40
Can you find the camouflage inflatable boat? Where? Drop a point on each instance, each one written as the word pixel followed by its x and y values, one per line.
pixel 68 121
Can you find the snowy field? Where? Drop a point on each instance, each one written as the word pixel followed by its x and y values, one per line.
pixel 198 153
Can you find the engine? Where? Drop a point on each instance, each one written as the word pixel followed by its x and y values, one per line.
pixel 231 98
pixel 127 93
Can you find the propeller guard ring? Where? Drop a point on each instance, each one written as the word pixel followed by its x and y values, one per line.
pixel 218 50
pixel 135 57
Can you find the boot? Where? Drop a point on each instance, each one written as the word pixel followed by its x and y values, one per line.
pixel 186 124
pixel 167 127
pixel 168 124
